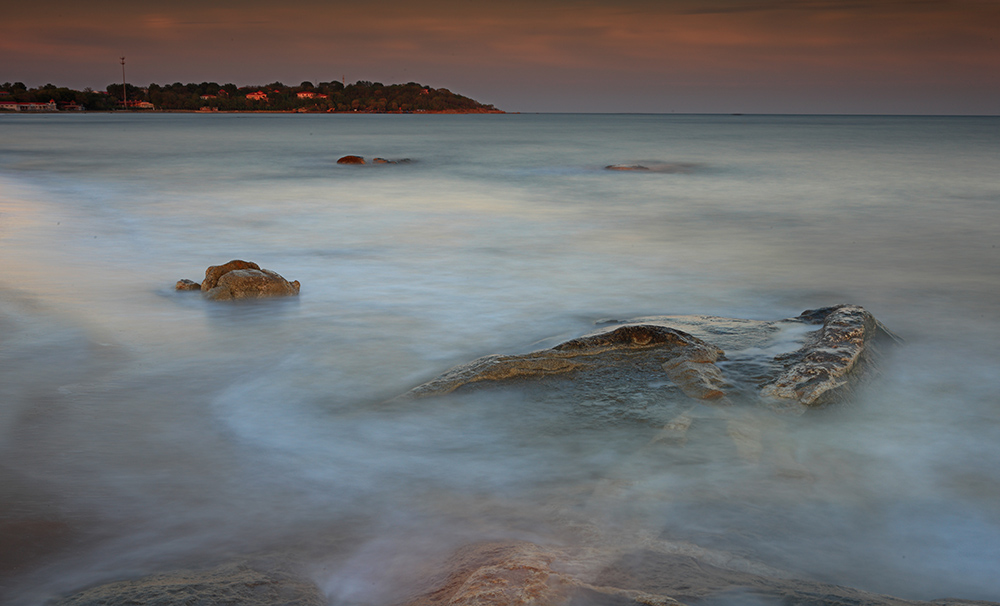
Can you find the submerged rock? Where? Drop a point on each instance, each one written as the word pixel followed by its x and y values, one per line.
pixel 655 166
pixel 660 573
pixel 659 344
pixel 241 280
pixel 827 364
pixel 186 284
pixel 519 573
pixel 626 167
pixel 229 584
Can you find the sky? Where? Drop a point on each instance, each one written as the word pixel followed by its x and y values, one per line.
pixel 684 56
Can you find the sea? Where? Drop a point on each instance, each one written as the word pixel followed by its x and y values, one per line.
pixel 144 430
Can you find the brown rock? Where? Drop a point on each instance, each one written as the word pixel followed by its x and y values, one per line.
pixel 828 366
pixel 351 160
pixel 230 584
pixel 604 349
pixel 518 574
pixel 186 284
pixel 241 280
pixel 626 167
pixel 214 272
pixel 251 284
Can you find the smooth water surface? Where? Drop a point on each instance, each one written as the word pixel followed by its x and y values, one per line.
pixel 145 430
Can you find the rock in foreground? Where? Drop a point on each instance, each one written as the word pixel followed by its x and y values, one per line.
pixel 518 573
pixel 224 586
pixel 241 280
pixel 829 363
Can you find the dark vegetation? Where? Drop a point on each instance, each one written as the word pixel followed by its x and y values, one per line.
pixel 362 96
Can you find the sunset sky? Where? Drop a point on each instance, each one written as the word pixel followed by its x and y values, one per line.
pixel 751 56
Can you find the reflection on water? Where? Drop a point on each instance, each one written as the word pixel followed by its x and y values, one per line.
pixel 146 430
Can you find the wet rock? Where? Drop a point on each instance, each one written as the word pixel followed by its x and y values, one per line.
pixel 226 585
pixel 655 166
pixel 660 344
pixel 186 284
pixel 824 365
pixel 241 280
pixel 518 574
pixel 834 360
pixel 252 284
pixel 626 167
pixel 351 160
pixel 214 272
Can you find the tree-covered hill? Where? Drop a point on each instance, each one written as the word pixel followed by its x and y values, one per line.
pixel 362 96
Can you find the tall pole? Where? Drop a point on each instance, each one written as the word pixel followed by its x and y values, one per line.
pixel 124 91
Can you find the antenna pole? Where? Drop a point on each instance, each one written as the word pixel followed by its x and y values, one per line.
pixel 124 90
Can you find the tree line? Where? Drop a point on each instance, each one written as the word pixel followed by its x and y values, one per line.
pixel 362 96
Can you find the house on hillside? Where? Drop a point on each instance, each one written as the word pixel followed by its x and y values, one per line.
pixel 257 96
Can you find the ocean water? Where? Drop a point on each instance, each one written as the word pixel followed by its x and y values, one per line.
pixel 145 430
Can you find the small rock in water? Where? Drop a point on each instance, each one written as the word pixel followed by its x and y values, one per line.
pixel 186 284
pixel 626 167
pixel 241 280
pixel 351 160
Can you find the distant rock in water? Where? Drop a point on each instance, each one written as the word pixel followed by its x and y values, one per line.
pixel 626 167
pixel 241 280
pixel 655 166
pixel 351 160
pixel 826 367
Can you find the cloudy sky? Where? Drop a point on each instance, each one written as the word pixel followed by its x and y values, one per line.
pixel 769 56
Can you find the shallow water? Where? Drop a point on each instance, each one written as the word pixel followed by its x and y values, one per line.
pixel 153 430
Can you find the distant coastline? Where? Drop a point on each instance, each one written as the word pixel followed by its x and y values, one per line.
pixel 325 97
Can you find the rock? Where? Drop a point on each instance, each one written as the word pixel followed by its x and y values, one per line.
pixel 834 360
pixel 626 167
pixel 518 574
pixel 186 284
pixel 351 160
pixel 586 353
pixel 828 364
pixel 214 272
pixel 241 280
pixel 656 166
pixel 226 585
pixel 252 284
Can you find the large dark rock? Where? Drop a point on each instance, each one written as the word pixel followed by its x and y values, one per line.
pixel 241 280
pixel 826 364
pixel 229 585
pixel 660 344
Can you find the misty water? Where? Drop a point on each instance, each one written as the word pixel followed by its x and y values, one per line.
pixel 146 430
